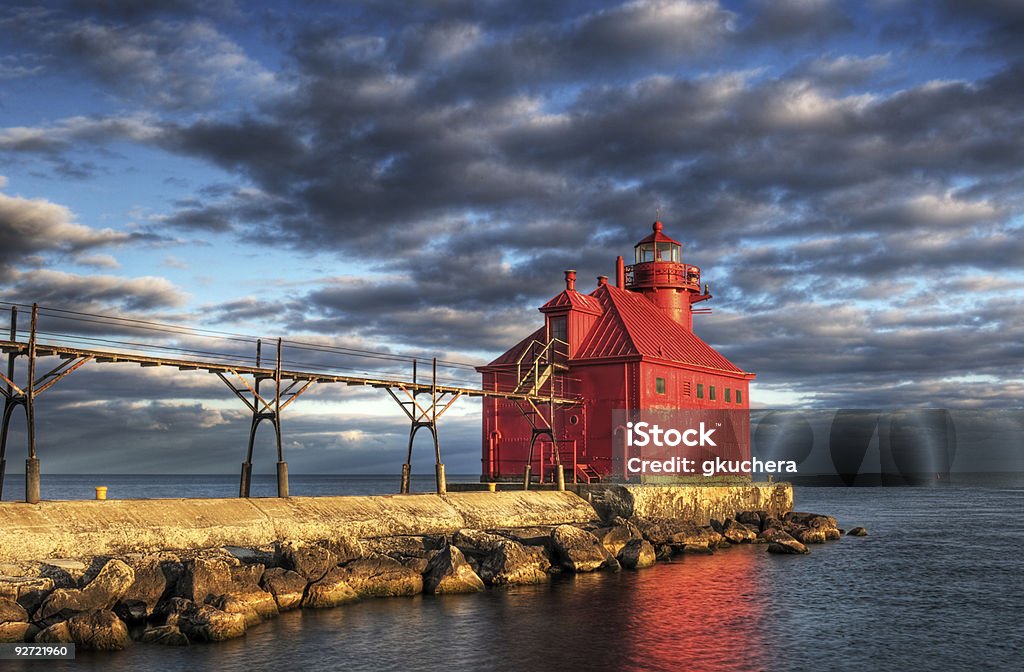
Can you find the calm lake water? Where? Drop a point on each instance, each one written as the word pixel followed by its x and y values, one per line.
pixel 937 585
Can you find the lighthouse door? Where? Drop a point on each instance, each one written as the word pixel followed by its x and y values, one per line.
pixel 572 439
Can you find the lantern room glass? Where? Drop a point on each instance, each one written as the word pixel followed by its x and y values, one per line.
pixel 657 252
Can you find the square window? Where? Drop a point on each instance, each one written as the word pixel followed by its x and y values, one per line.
pixel 739 396
pixel 728 395
pixel 659 385
pixel 711 392
pixel 558 329
pixel 700 390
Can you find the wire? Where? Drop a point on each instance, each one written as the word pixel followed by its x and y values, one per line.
pixel 245 360
pixel 161 327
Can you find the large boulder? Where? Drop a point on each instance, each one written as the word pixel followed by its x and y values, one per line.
pixel 102 592
pixel 28 591
pixel 255 605
pixel 752 519
pixel 475 543
pixel 615 538
pixel 206 623
pixel 12 612
pixel 691 534
pixel 170 611
pixel 246 578
pixel 418 565
pixel 166 635
pixel 787 547
pixel 782 543
pixel 658 531
pixel 736 532
pixel 99 630
pixel 110 585
pixel 14 625
pixel 330 591
pixel 808 535
pixel 13 632
pixel 448 572
pixel 286 586
pixel 677 533
pixel 155 578
pixel 58 633
pixel 310 560
pixel 812 520
pixel 381 576
pixel 202 577
pixel 513 563
pixel 637 554
pixel 60 605
pixel 579 551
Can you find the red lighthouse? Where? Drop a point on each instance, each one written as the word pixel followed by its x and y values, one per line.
pixel 623 347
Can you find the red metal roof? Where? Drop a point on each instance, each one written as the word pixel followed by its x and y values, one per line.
pixel 628 325
pixel 513 353
pixel 571 299
pixel 657 236
pixel 632 325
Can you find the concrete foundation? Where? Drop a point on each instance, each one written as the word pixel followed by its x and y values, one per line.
pixel 699 503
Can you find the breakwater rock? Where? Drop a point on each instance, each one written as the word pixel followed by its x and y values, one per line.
pixel 176 598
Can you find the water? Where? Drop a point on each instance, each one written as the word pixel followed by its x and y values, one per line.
pixel 149 486
pixel 937 585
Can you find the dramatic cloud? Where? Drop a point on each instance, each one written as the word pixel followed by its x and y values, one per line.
pixel 31 226
pixel 416 176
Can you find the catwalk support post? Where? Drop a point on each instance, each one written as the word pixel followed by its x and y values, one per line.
pixel 9 401
pixel 282 466
pixel 32 488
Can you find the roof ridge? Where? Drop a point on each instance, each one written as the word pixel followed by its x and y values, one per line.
pixel 687 340
pixel 617 315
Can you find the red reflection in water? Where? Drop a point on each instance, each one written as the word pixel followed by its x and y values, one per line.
pixel 700 613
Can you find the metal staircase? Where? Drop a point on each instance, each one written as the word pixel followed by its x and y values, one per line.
pixel 537 365
pixel 537 373
pixel 587 474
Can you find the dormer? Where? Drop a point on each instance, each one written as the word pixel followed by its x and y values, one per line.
pixel 570 315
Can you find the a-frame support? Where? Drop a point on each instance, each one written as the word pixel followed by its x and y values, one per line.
pixel 262 409
pixel 15 396
pixel 541 426
pixel 424 417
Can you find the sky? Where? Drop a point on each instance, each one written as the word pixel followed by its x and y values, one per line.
pixel 413 178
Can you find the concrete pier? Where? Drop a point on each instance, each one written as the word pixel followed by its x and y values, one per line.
pixel 53 529
pixel 56 529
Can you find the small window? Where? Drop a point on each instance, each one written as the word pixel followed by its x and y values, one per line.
pixel 659 385
pixel 574 419
pixel 739 396
pixel 559 329
pixel 728 395
pixel 700 390
pixel 711 392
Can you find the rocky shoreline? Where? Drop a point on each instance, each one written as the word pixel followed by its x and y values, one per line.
pixel 177 598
